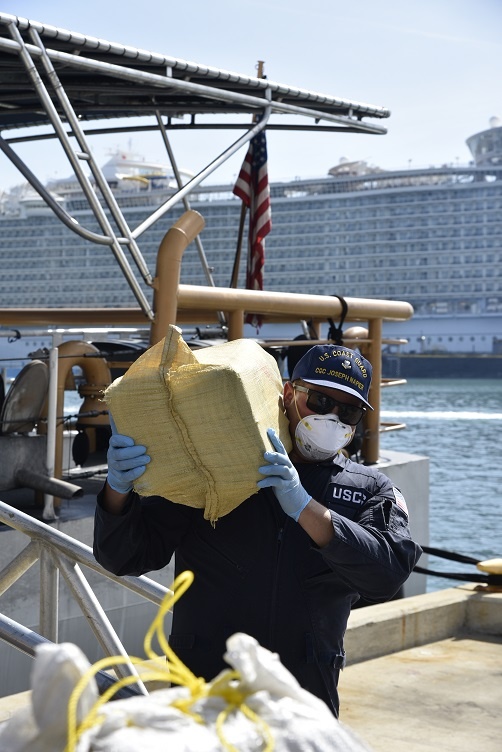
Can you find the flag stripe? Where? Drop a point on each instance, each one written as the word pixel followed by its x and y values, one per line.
pixel 253 189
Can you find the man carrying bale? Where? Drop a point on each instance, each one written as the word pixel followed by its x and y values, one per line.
pixel 287 563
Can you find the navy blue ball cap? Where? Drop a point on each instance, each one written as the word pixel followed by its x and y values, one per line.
pixel 336 367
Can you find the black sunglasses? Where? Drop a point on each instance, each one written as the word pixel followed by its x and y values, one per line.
pixel 322 404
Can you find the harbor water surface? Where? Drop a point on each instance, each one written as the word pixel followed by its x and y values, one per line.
pixel 457 423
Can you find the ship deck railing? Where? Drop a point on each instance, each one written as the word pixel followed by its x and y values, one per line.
pixel 60 554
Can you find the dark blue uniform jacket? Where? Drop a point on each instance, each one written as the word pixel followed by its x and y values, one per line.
pixel 256 571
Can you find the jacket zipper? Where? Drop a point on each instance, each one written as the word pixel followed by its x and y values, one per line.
pixel 273 605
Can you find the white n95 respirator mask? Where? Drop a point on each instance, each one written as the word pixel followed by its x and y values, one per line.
pixel 320 437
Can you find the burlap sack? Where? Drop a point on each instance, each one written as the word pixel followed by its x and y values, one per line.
pixel 203 416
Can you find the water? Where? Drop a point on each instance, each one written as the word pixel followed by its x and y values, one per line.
pixel 457 423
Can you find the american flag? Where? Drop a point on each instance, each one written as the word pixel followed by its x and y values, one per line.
pixel 252 187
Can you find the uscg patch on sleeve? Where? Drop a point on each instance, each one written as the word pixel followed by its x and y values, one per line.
pixel 400 500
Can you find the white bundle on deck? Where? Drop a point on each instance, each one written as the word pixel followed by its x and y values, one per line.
pixel 265 709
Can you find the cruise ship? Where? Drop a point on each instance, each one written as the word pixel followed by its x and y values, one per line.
pixel 432 237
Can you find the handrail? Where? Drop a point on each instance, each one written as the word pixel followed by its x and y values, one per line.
pixel 26 640
pixel 58 552
pixel 195 303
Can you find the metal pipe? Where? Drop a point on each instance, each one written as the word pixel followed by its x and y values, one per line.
pixel 97 374
pixel 28 479
pixel 22 638
pixel 42 191
pixel 72 316
pixel 48 511
pixel 167 277
pixel 235 324
pixel 49 601
pixel 75 163
pixel 197 302
pixel 80 552
pixel 202 175
pixel 19 565
pixel 371 443
pixel 96 617
pixel 291 305
pixel 82 177
pixel 26 641
pixel 186 204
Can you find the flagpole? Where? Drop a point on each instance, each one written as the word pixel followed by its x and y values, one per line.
pixel 237 259
pixel 238 250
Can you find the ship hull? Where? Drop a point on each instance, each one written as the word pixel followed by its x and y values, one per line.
pixel 447 365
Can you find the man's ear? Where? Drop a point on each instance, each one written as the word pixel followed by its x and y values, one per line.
pixel 288 394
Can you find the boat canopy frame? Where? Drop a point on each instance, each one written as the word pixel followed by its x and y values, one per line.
pixel 110 80
pixel 59 78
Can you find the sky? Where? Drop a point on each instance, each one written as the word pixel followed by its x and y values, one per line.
pixel 435 64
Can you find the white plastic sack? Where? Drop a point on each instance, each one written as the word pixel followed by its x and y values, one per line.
pixel 287 717
pixel 42 726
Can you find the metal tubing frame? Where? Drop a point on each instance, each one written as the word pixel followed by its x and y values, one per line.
pixel 59 552
pixel 49 596
pixel 373 351
pixel 25 52
pixel 19 565
pixel 86 155
pixel 92 199
pixel 198 299
pixel 61 214
pixel 27 641
pixel 202 175
pixel 186 202
pixel 168 82
pixel 52 406
pixel 95 615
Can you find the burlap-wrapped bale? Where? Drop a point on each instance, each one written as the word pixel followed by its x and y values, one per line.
pixel 203 416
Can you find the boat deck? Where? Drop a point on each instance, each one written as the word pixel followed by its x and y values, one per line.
pixel 444 692
pixel 441 696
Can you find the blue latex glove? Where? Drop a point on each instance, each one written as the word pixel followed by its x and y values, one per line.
pixel 282 476
pixel 127 461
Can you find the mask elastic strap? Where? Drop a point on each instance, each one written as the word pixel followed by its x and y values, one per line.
pixel 296 406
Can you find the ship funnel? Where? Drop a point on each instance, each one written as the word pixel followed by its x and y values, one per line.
pixel 486 147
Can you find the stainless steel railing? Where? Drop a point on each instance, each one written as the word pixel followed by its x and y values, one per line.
pixel 58 553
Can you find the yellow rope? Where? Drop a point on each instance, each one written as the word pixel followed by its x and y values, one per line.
pixel 169 669
pixel 235 697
